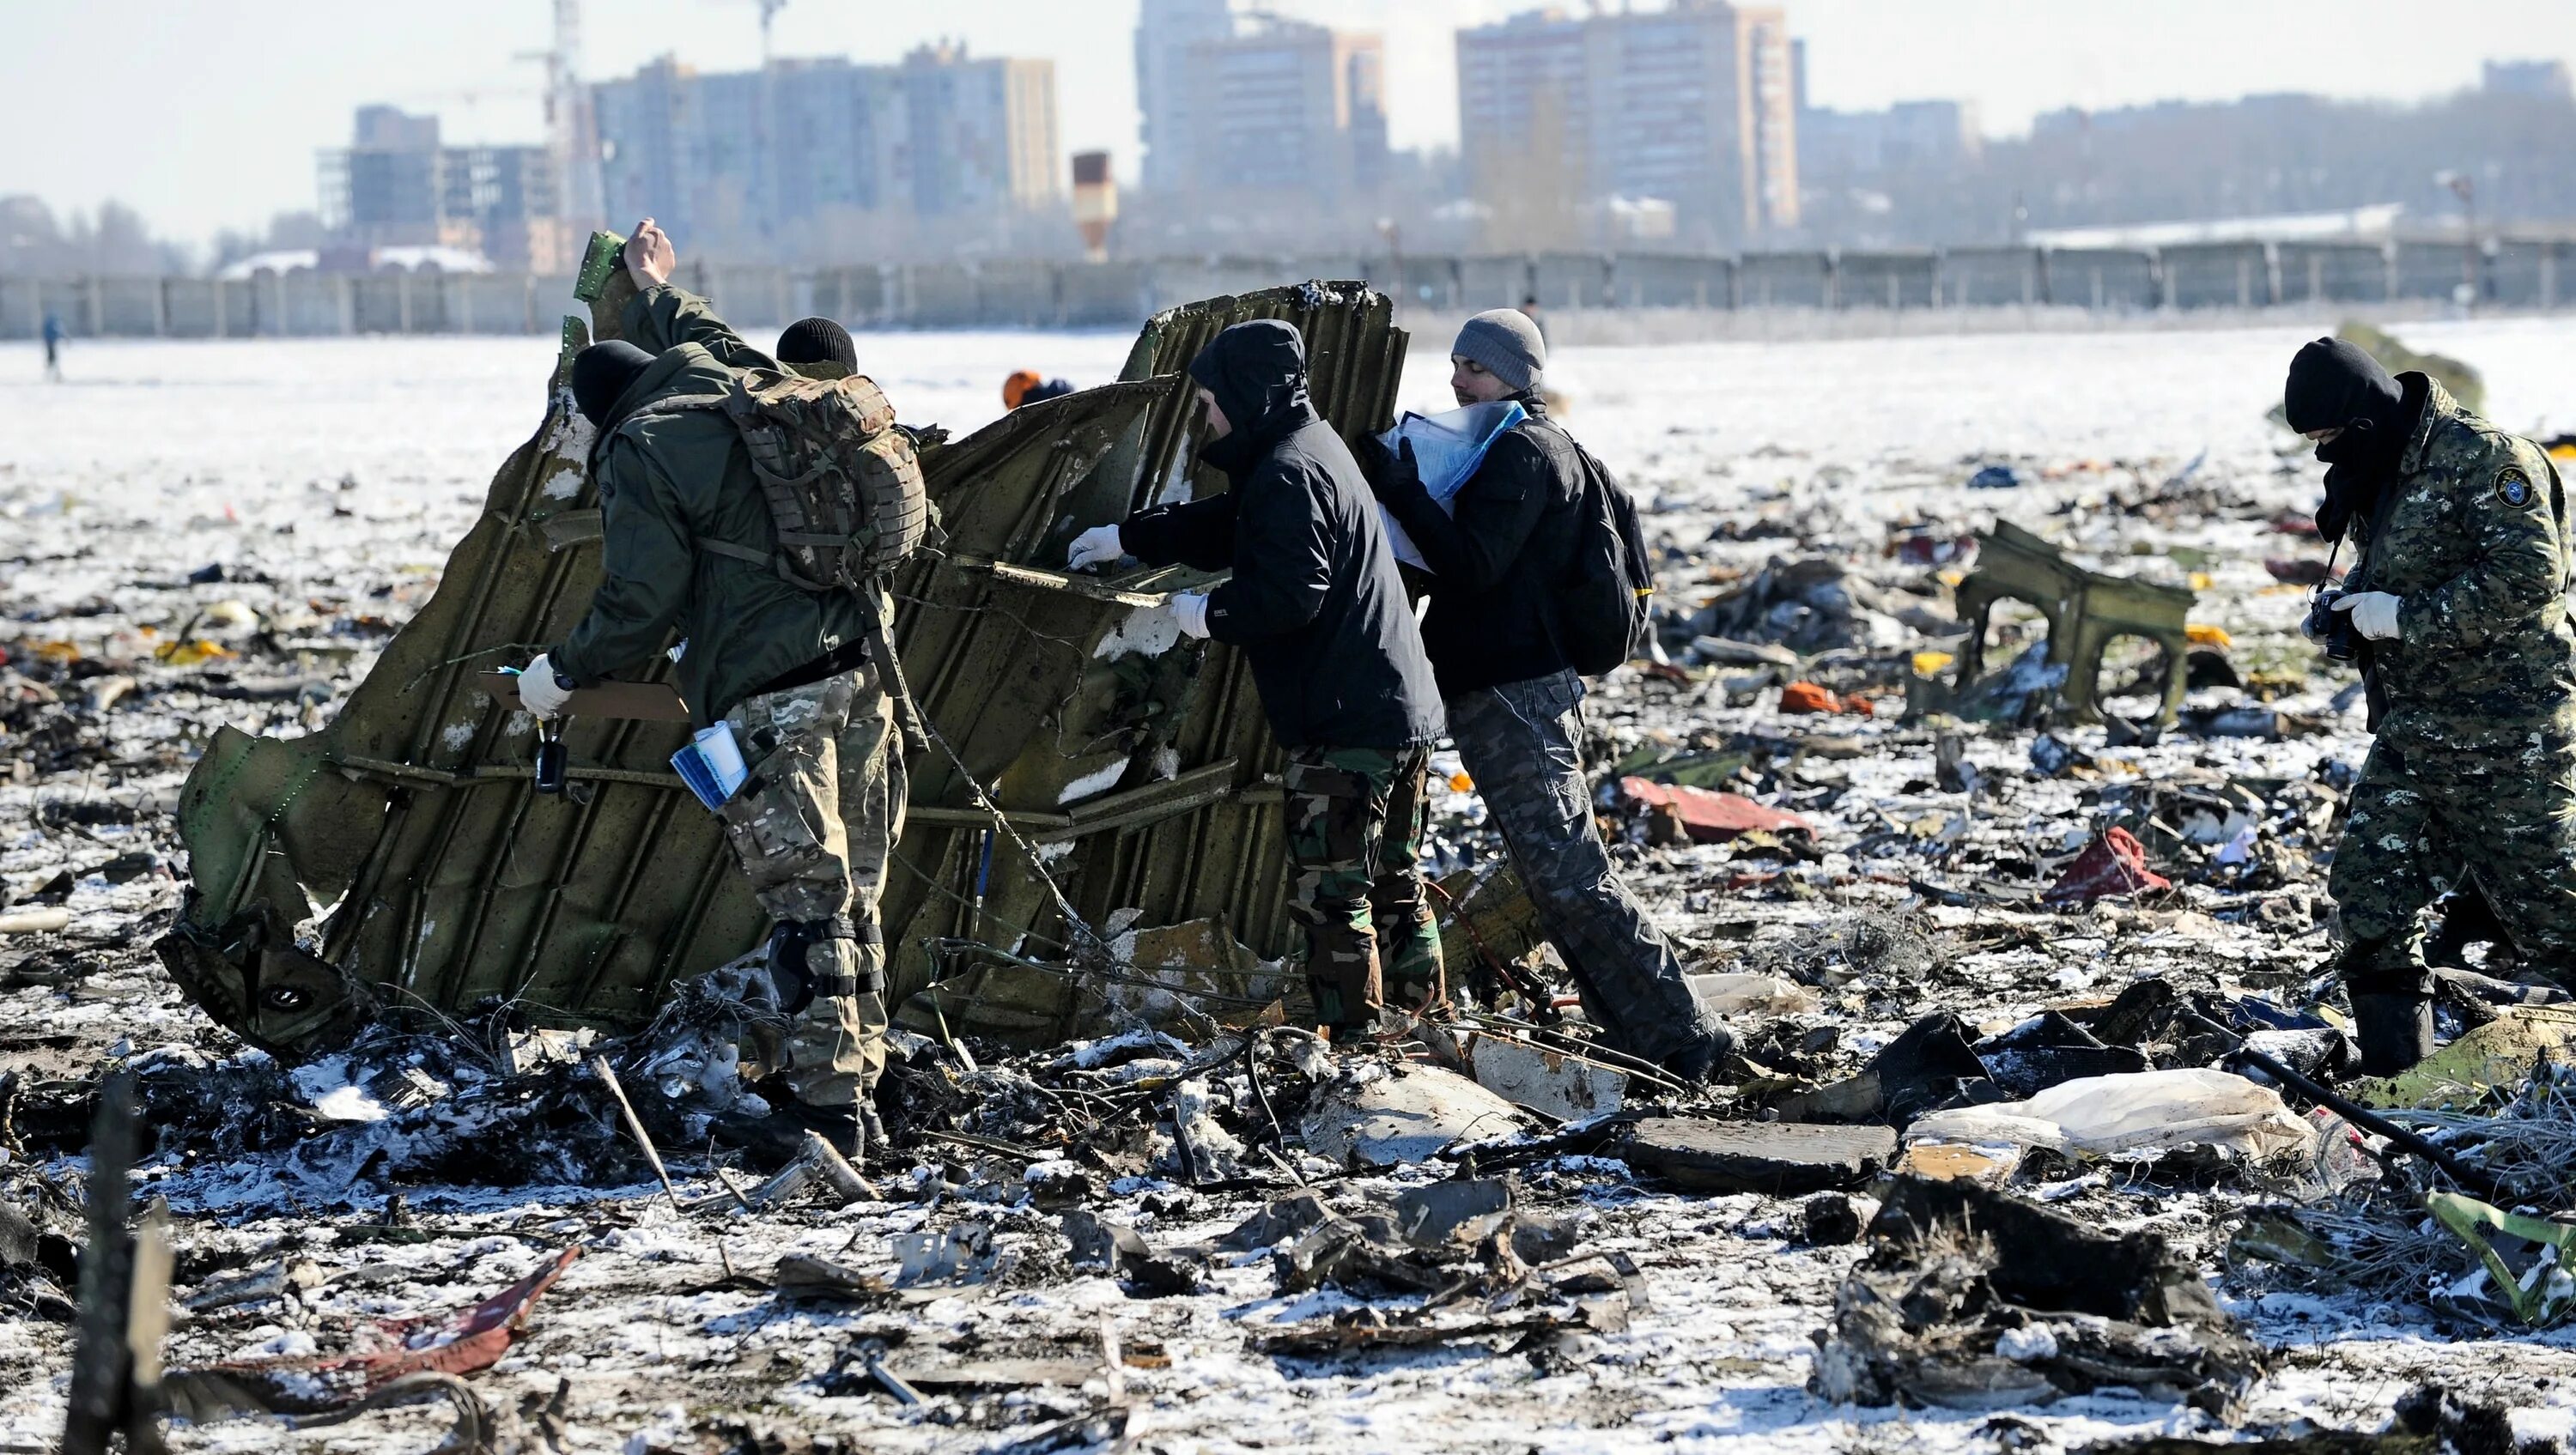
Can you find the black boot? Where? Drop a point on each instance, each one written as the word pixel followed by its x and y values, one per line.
pixel 2395 1031
pixel 1698 1062
pixel 842 1126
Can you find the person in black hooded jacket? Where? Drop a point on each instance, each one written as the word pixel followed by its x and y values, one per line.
pixel 1318 610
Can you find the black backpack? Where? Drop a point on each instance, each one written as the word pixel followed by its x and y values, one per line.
pixel 1605 600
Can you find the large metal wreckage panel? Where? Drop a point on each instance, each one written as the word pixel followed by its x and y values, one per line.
pixel 401 859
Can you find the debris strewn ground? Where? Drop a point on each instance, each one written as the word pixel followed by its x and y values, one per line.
pixel 1990 1170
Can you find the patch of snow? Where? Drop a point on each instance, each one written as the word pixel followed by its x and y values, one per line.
pixel 1096 782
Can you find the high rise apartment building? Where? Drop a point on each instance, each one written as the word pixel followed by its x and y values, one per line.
pixel 1240 100
pixel 398 185
pixel 1166 31
pixel 739 159
pixel 1693 104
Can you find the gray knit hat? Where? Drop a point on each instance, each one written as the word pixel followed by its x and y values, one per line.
pixel 1507 343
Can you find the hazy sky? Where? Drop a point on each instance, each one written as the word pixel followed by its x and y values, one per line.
pixel 207 113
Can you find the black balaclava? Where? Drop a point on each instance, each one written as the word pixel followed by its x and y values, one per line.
pixel 1257 371
pixel 818 341
pixel 601 373
pixel 2335 385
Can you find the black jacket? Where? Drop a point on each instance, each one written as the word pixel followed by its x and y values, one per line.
pixel 1496 563
pixel 1315 602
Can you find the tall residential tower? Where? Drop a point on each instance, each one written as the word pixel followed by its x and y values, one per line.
pixel 1693 104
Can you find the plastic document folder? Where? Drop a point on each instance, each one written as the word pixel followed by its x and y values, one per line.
pixel 712 766
pixel 1447 448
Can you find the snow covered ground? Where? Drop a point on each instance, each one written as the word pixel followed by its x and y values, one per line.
pixel 317 471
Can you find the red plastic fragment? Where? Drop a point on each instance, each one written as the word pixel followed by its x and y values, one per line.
pixel 1710 817
pixel 2115 863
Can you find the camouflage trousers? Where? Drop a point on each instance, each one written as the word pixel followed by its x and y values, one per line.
pixel 1355 823
pixel 813 825
pixel 1522 744
pixel 2426 812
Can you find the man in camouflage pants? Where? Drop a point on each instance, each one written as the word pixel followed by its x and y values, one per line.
pixel 687 542
pixel 1319 613
pixel 2459 601
pixel 812 826
pixel 1356 818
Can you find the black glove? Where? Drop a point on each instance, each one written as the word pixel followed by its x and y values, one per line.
pixel 1374 462
pixel 1398 476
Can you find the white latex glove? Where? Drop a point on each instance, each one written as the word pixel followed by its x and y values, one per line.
pixel 540 691
pixel 2374 614
pixel 1191 608
pixel 1098 546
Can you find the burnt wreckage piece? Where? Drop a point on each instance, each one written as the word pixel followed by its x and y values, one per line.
pixel 400 858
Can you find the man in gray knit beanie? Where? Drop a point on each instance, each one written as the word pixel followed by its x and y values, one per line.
pixel 1504 343
pixel 1498 552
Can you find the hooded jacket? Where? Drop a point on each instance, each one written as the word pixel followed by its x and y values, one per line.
pixel 1499 558
pixel 667 482
pixel 1315 602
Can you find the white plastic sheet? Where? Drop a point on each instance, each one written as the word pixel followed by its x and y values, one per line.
pixel 2141 1111
pixel 1447 448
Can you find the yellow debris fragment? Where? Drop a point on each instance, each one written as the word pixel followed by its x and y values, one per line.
pixel 192 653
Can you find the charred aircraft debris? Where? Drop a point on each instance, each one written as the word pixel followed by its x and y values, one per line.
pixel 2039 1110
pixel 1134 766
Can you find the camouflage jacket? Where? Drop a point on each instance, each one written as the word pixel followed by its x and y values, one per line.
pixel 2474 544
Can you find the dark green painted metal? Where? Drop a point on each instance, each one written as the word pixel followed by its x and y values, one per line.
pixel 411 825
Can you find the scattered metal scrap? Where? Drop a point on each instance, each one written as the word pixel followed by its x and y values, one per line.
pixel 2086 611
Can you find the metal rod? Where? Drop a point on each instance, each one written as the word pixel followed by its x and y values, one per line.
pixel 607 1075
pixel 2472 1178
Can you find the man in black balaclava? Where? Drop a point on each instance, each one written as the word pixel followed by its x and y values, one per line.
pixel 2459 591
pixel 2339 396
pixel 1320 614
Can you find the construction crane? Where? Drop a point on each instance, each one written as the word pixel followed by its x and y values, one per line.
pixel 768 16
pixel 570 133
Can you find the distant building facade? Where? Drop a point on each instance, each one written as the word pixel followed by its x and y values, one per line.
pixel 1233 99
pixel 396 185
pixel 1166 32
pixel 2547 80
pixel 1858 147
pixel 741 158
pixel 1694 105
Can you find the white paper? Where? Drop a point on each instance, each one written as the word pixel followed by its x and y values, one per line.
pixel 1447 448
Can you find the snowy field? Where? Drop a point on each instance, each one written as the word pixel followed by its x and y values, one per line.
pixel 247 423
pixel 317 472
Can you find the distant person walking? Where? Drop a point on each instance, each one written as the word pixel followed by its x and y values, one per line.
pixel 54 347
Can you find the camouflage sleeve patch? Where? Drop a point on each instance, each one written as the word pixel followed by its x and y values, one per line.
pixel 2513 487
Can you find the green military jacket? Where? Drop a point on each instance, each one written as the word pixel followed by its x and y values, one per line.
pixel 2475 546
pixel 668 483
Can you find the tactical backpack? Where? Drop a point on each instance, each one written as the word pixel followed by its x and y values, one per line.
pixel 1602 603
pixel 843 485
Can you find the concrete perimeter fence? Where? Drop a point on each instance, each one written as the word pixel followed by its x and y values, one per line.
pixel 2503 271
